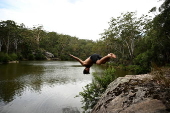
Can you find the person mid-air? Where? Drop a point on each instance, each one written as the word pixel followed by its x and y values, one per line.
pixel 93 59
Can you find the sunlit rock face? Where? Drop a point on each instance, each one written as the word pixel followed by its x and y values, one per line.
pixel 134 94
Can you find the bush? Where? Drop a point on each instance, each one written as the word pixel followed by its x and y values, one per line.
pixel 136 68
pixel 20 56
pixel 107 77
pixel 1 56
pixel 39 55
pixel 31 57
pixel 92 92
pixel 4 57
pixel 13 56
pixel 144 61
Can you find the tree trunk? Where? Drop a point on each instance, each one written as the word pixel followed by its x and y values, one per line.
pixel 1 45
pixel 7 44
pixel 16 44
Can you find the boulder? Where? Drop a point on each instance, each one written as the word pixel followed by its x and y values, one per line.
pixel 134 94
pixel 49 55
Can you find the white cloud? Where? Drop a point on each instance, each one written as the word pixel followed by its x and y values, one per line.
pixel 81 18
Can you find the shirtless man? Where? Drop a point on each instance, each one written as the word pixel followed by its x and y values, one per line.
pixel 93 59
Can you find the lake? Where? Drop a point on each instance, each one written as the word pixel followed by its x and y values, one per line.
pixel 43 86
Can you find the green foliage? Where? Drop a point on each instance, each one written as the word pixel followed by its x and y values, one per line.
pixel 23 41
pixel 20 56
pixel 92 92
pixel 159 34
pixel 39 55
pixel 13 56
pixel 144 61
pixel 137 69
pixel 123 34
pixel 107 77
pixel 4 57
pixel 31 57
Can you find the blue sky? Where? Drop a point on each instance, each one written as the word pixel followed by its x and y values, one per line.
pixel 4 4
pixel 85 19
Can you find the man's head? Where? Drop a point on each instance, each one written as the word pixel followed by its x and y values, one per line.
pixel 86 71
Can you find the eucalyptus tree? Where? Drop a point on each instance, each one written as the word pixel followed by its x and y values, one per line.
pixel 8 31
pixel 37 32
pixel 2 35
pixel 123 33
pixel 18 38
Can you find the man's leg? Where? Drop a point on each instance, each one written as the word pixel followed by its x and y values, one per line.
pixel 105 59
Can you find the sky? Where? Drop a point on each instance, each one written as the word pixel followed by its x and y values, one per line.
pixel 84 19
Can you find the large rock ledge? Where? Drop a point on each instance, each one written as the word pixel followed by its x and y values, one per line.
pixel 134 94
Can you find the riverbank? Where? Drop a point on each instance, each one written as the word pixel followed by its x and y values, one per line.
pixel 146 93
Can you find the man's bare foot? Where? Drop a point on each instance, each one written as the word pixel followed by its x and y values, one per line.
pixel 113 55
pixel 109 55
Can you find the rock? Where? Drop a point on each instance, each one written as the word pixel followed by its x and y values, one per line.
pixel 49 55
pixel 13 62
pixel 134 94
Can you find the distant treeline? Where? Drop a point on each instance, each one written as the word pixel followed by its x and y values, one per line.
pixel 140 41
pixel 31 43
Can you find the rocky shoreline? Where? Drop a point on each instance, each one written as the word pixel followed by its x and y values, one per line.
pixel 134 94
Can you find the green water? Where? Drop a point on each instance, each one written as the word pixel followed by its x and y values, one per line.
pixel 43 86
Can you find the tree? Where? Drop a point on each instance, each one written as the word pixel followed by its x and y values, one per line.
pixel 9 33
pixel 124 32
pixel 37 31
pixel 161 36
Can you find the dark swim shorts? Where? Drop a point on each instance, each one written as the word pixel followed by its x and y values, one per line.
pixel 95 57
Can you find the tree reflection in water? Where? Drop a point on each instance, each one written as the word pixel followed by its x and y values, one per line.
pixel 70 110
pixel 41 86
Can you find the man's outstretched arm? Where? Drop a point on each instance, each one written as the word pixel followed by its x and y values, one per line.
pixel 78 59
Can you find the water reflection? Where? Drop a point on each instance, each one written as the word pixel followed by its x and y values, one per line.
pixel 9 89
pixel 39 87
pixel 11 83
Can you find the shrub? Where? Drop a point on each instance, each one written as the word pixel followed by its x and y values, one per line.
pixel 20 56
pixel 39 55
pixel 144 61
pixel 1 56
pixel 92 92
pixel 13 56
pixel 31 57
pixel 136 68
pixel 107 77
pixel 4 57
